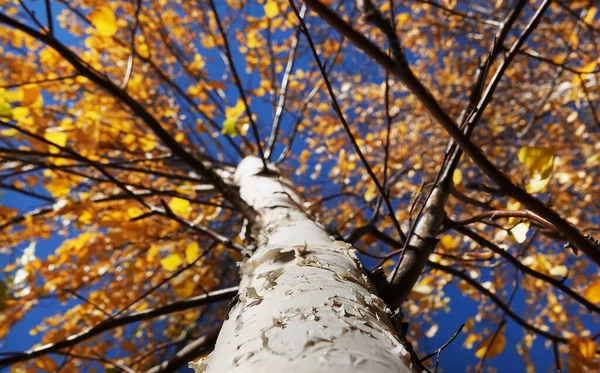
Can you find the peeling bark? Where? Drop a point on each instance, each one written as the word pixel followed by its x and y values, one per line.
pixel 305 304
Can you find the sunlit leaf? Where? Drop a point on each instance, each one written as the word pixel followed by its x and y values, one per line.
pixel 450 242
pixel 592 292
pixel 519 232
pixel 432 331
pixel 271 8
pixel 539 161
pixel 192 251
pixel 58 138
pixel 229 127
pixel 371 192
pixel 5 109
pixel 180 207
pixel 104 20
pixel 457 177
pixel 591 13
pixel 152 253
pixel 581 358
pixel 31 95
pixel 232 115
pixel 46 363
pixel 491 346
pixel 471 339
pixel 171 262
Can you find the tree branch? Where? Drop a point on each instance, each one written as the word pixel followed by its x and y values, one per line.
pixel 200 300
pixel 210 175
pixel 407 77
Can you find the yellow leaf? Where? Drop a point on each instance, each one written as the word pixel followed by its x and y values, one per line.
pixel 592 293
pixel 422 289
pixel 271 8
pixel 198 63
pixel 371 192
pixel 180 207
pixel 5 109
pixel 192 251
pixel 20 113
pixel 457 177
pixel 491 346
pixel 537 184
pixel 591 13
pixel 345 163
pixel 232 114
pixel 58 138
pixel 46 363
pixel 148 143
pixel 229 127
pixel 593 160
pixel 574 39
pixel 104 20
pixel 12 96
pixel 450 242
pixel 471 338
pixel 589 68
pixel 152 253
pixel 539 161
pixel 184 289
pixel 171 262
pixel 253 40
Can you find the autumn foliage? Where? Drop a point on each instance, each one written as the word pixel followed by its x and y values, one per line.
pixel 121 123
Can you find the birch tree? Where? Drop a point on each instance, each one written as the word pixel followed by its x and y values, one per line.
pixel 313 185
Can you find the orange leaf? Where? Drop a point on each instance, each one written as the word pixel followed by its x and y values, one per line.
pixel 46 363
pixel 492 345
pixel 592 293
pixel 582 356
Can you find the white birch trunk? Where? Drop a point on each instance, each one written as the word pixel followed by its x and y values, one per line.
pixel 305 304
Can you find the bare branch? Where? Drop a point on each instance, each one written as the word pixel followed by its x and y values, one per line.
pixel 200 300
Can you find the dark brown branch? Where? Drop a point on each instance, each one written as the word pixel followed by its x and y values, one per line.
pixel 406 76
pixel 558 284
pixel 200 300
pixel 346 126
pixel 238 82
pixel 494 298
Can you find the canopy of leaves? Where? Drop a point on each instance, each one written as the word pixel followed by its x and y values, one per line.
pixel 121 123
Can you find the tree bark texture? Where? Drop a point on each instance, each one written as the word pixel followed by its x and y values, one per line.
pixel 305 304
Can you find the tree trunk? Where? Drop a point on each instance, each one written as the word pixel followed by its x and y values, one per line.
pixel 305 303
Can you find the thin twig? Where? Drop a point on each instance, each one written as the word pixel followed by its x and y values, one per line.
pixel 336 107
pixel 283 91
pixel 407 77
pixel 197 301
pixel 238 83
